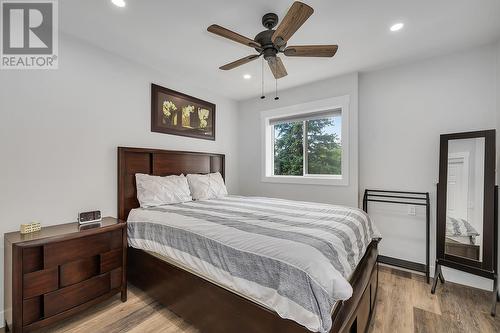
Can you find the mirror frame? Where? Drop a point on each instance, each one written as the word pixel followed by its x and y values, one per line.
pixel 488 266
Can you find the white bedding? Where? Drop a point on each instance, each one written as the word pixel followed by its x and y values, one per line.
pixel 294 258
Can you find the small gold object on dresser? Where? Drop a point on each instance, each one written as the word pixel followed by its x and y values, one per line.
pixel 60 271
pixel 30 227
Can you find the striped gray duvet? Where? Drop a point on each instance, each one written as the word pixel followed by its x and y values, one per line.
pixel 293 257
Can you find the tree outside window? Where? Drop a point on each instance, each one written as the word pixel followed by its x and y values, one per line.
pixel 308 147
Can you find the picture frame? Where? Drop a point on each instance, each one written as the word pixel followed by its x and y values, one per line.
pixel 176 113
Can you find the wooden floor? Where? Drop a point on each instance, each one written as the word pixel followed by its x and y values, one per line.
pixel 405 304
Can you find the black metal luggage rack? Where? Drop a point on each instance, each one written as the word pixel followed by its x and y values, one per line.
pixel 403 198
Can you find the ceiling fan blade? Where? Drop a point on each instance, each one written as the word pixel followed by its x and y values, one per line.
pixel 296 16
pixel 277 67
pixel 311 51
pixel 239 62
pixel 226 33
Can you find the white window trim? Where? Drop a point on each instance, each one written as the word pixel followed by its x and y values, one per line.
pixel 341 102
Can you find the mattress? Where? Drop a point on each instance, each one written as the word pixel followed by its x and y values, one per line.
pixel 292 257
pixel 468 240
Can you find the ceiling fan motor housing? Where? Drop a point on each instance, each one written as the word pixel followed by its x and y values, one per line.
pixel 269 50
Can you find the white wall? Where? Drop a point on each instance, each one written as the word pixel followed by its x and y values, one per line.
pixel 402 112
pixel 498 112
pixel 250 143
pixel 498 134
pixel 498 108
pixel 59 131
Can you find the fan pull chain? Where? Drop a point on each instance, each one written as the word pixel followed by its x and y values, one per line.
pixel 276 98
pixel 262 95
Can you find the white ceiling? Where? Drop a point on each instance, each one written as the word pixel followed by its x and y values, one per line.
pixel 171 36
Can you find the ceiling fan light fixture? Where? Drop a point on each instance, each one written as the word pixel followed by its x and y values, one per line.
pixel 119 3
pixel 397 26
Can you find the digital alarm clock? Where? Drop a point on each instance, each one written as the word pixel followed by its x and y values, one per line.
pixel 88 217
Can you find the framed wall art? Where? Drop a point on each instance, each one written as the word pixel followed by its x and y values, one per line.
pixel 176 113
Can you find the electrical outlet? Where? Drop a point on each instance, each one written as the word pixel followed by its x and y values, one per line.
pixel 412 210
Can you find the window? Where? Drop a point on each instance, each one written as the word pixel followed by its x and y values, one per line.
pixel 304 145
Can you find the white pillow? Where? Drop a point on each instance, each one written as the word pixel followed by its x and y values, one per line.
pixel 155 191
pixel 209 186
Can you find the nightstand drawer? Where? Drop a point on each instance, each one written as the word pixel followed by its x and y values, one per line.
pixel 62 252
pixel 116 278
pixel 111 260
pixel 32 259
pixel 40 282
pixel 69 297
pixel 32 310
pixel 78 271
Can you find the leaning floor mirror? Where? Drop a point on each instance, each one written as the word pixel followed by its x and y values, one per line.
pixel 467 202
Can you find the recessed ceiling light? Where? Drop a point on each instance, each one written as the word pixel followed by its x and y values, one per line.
pixel 397 26
pixel 247 76
pixel 118 3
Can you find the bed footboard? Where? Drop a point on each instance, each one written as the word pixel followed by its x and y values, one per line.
pixel 211 308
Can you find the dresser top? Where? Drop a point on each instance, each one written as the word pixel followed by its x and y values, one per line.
pixel 63 231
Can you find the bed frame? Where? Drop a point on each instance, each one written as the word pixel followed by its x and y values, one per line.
pixel 209 307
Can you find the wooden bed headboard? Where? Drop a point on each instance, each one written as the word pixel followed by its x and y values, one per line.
pixel 159 163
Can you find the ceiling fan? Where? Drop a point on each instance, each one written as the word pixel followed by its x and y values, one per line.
pixel 270 42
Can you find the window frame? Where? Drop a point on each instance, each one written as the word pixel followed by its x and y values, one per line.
pixel 267 174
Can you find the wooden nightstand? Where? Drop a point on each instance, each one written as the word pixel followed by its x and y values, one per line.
pixel 61 270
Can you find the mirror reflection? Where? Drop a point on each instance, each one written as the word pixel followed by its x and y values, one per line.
pixel 465 198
